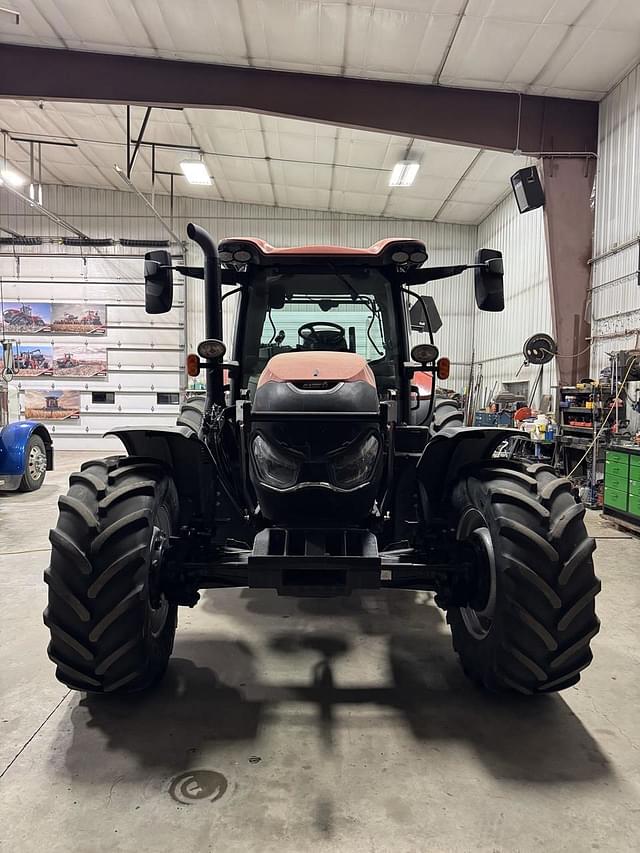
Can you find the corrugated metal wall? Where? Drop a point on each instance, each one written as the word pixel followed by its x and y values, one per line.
pixel 615 280
pixel 109 213
pixel 499 338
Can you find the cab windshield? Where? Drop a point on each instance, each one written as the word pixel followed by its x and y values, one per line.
pixel 341 312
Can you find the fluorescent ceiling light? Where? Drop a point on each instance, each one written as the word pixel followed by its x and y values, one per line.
pixel 404 173
pixel 196 172
pixel 12 177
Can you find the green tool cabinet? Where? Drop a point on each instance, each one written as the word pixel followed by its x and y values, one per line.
pixel 622 484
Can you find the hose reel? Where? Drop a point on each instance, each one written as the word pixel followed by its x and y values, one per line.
pixel 539 349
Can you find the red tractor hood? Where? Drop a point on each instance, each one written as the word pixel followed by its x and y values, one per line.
pixel 318 365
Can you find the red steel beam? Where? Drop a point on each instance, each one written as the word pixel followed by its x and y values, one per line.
pixel 477 118
pixel 569 225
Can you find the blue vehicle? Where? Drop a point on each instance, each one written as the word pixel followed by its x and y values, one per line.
pixel 26 448
pixel 26 454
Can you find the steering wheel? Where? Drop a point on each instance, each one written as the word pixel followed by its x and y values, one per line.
pixel 322 334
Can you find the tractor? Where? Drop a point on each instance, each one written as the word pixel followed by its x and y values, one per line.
pixel 66 361
pixel 23 317
pixel 91 318
pixel 31 360
pixel 321 461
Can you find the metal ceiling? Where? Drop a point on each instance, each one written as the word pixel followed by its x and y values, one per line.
pixel 566 48
pixel 576 48
pixel 264 159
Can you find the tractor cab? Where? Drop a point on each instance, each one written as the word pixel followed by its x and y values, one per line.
pixel 320 299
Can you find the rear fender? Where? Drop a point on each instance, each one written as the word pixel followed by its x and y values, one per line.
pixel 189 461
pixel 14 439
pixel 449 452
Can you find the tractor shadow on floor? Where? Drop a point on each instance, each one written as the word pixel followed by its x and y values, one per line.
pixel 212 695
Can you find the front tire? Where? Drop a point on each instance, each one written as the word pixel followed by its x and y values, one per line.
pixel 112 631
pixel 531 616
pixel 35 466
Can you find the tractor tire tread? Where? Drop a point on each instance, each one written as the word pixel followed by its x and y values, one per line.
pixel 191 414
pixel 446 413
pixel 539 640
pixel 98 577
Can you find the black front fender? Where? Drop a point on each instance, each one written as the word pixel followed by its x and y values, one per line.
pixel 449 452
pixel 186 456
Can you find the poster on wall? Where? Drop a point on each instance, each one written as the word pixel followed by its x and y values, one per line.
pixel 33 360
pixel 79 318
pixel 47 404
pixel 26 318
pixel 79 360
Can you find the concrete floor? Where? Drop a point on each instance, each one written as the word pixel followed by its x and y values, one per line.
pixel 287 724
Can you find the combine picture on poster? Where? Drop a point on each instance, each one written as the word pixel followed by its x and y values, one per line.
pixel 79 318
pixel 26 318
pixel 79 360
pixel 48 404
pixel 32 360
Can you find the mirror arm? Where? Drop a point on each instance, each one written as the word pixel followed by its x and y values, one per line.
pixel 191 272
pixel 434 273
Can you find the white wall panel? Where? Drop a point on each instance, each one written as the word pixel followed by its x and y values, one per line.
pixel 615 289
pixel 615 281
pixel 499 337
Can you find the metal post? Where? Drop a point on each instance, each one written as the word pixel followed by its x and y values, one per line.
pixel 39 173
pixel 153 175
pixel 171 203
pixel 128 141
pixel 32 189
pixel 131 162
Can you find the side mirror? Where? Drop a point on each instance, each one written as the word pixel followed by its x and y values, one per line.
pixel 489 284
pixel 419 321
pixel 158 282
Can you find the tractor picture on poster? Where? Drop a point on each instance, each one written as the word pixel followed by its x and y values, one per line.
pixel 79 360
pixel 52 404
pixel 34 360
pixel 79 319
pixel 29 318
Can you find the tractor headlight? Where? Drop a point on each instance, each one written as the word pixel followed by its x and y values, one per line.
pixel 275 467
pixel 354 466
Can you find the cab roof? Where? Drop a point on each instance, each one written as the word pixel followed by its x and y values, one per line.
pixel 257 251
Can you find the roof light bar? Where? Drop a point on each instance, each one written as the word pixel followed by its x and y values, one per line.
pixel 404 173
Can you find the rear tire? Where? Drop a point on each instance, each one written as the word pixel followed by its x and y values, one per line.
pixel 531 619
pixel 111 630
pixel 36 465
pixel 192 413
pixel 446 413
